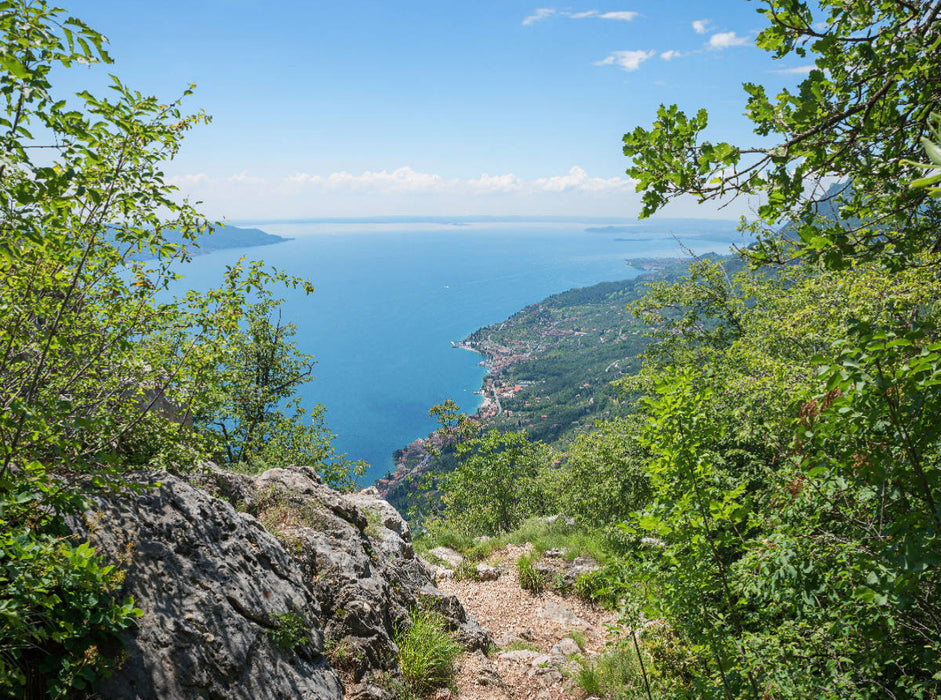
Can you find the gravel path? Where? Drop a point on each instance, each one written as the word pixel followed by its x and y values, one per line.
pixel 535 656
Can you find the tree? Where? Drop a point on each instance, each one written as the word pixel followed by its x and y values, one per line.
pixel 99 372
pixel 792 414
pixel 255 387
pixel 856 119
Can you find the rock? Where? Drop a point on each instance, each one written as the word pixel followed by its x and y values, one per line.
pixel 214 587
pixel 486 573
pixel 566 647
pixel 216 571
pixel 561 519
pixel 520 656
pixel 546 570
pixel 548 675
pixel 480 670
pixel 447 555
pixel 561 616
pixel 554 553
pixel 580 566
pixel 369 691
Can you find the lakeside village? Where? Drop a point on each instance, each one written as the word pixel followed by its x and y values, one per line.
pixel 415 458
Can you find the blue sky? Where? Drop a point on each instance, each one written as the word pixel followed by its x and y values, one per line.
pixel 430 107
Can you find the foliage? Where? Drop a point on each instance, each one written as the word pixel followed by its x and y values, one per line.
pixel 496 484
pixel 529 575
pixel 58 608
pixel 289 630
pixel 857 118
pixel 101 371
pixel 426 653
pixel 791 411
pixel 603 478
pixel 254 386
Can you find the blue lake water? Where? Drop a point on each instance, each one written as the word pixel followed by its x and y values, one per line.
pixel 390 297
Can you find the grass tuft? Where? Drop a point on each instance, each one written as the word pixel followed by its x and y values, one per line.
pixel 530 578
pixel 426 653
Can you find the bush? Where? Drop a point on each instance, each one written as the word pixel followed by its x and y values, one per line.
pixel 289 631
pixel 426 653
pixel 59 618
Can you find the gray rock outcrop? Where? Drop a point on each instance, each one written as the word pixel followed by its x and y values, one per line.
pixel 267 586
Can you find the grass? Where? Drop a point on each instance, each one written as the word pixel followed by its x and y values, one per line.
pixel 615 674
pixel 575 542
pixel 530 578
pixel 426 653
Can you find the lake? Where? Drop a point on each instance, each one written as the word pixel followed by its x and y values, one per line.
pixel 390 297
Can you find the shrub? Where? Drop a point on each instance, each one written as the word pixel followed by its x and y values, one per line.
pixel 426 653
pixel 59 618
pixel 289 631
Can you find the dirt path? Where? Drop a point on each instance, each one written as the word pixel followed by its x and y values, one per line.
pixel 538 637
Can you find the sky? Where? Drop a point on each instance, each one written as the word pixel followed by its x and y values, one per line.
pixel 430 107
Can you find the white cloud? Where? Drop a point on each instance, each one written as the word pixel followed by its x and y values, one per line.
pixel 796 70
pixel 627 60
pixel 407 191
pixel 539 15
pixel 724 40
pixel 403 179
pixel 579 180
pixel 701 26
pixel 408 180
pixel 246 179
pixel 189 180
pixel 670 55
pixel 544 13
pixel 623 16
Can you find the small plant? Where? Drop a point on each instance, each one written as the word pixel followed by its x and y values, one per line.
pixel 374 526
pixel 588 678
pixel 340 654
pixel 426 653
pixel 529 576
pixel 613 675
pixel 289 631
pixel 466 571
pixel 576 637
pixel 522 645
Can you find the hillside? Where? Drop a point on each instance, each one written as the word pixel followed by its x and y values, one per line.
pixel 221 238
pixel 551 367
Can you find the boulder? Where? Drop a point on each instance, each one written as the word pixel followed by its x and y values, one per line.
pixel 228 568
pixel 218 592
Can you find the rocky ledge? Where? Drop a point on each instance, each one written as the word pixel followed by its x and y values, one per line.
pixel 267 586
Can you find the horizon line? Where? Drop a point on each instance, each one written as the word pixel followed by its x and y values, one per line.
pixel 469 218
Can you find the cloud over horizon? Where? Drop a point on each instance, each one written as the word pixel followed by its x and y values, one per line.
pixel 405 190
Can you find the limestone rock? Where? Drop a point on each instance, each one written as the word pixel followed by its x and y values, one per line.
pixel 447 555
pixel 562 616
pixel 486 572
pixel 217 565
pixel 580 566
pixel 214 586
pixel 566 647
